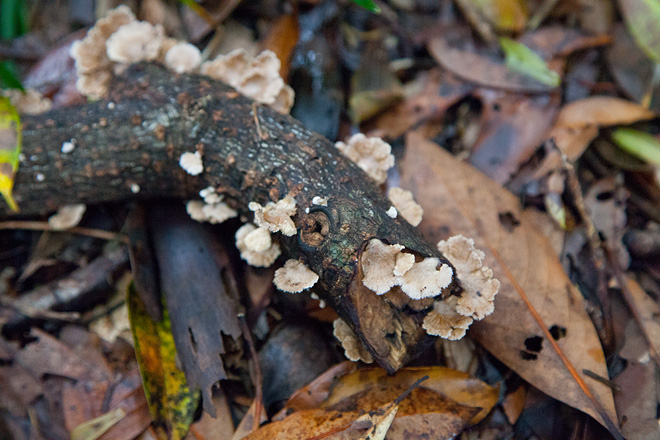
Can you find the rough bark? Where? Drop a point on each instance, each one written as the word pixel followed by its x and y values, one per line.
pixel 251 153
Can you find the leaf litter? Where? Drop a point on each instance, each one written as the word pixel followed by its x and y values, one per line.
pixel 410 77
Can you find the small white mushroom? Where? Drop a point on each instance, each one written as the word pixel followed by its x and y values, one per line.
pixel 29 102
pixel 404 262
pixel 183 57
pixel 378 263
pixel 353 348
pixel 445 322
pixel 320 201
pixel 372 154
pixel 192 163
pixel 134 42
pixel 392 212
pixel 406 205
pixel 67 217
pixel 258 240
pixel 259 77
pixel 423 280
pixel 258 259
pixel 294 277
pixel 218 212
pixel 276 216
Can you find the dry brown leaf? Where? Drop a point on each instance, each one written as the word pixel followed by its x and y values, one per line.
pixel 514 125
pixel 457 199
pixel 602 111
pixel 423 412
pixel 483 70
pixel 456 385
pixel 427 98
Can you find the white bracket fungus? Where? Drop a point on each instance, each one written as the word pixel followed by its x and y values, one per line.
pixel 134 42
pixel 210 212
pixel 192 163
pixel 373 155
pixel 90 53
pixel 385 266
pixel 479 287
pixel 248 248
pixel 259 77
pixel 320 201
pixel 276 216
pixel 392 212
pixel 450 318
pixel 445 322
pixel 67 217
pixel 183 57
pixel 403 201
pixel 29 102
pixel 294 277
pixel 353 348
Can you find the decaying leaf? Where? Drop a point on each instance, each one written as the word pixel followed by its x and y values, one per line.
pixel 643 21
pixel 171 402
pixel 10 149
pixel 358 402
pixel 460 200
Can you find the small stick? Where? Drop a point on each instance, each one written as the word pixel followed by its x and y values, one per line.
pixel 44 226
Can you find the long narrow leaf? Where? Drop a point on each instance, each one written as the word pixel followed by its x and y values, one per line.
pixel 11 140
pixel 522 59
pixel 171 403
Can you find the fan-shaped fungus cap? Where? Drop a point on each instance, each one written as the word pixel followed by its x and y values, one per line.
pixel 210 212
pixel 403 201
pixel 259 77
pixel 29 102
pixel 90 52
pixel 192 163
pixel 479 287
pixel 385 266
pixel 424 280
pixel 373 155
pixel 67 217
pixel 183 57
pixel 258 240
pixel 94 85
pixel 445 322
pixel 378 264
pixel 134 42
pixel 404 262
pixel 276 216
pixel 258 259
pixel 294 277
pixel 353 348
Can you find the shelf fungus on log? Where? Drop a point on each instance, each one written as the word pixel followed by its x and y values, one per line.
pixel 251 153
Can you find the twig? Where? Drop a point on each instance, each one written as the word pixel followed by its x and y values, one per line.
pixel 44 226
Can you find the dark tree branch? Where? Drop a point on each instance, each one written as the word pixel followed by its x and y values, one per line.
pixel 135 138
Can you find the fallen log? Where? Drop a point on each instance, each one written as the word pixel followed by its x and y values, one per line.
pixel 128 146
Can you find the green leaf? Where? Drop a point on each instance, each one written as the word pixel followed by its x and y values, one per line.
pixel 8 77
pixel 522 59
pixel 369 5
pixel 642 18
pixel 11 140
pixel 639 144
pixel 171 403
pixel 95 428
pixel 13 19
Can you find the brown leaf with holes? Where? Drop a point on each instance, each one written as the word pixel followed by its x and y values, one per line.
pixel 457 199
